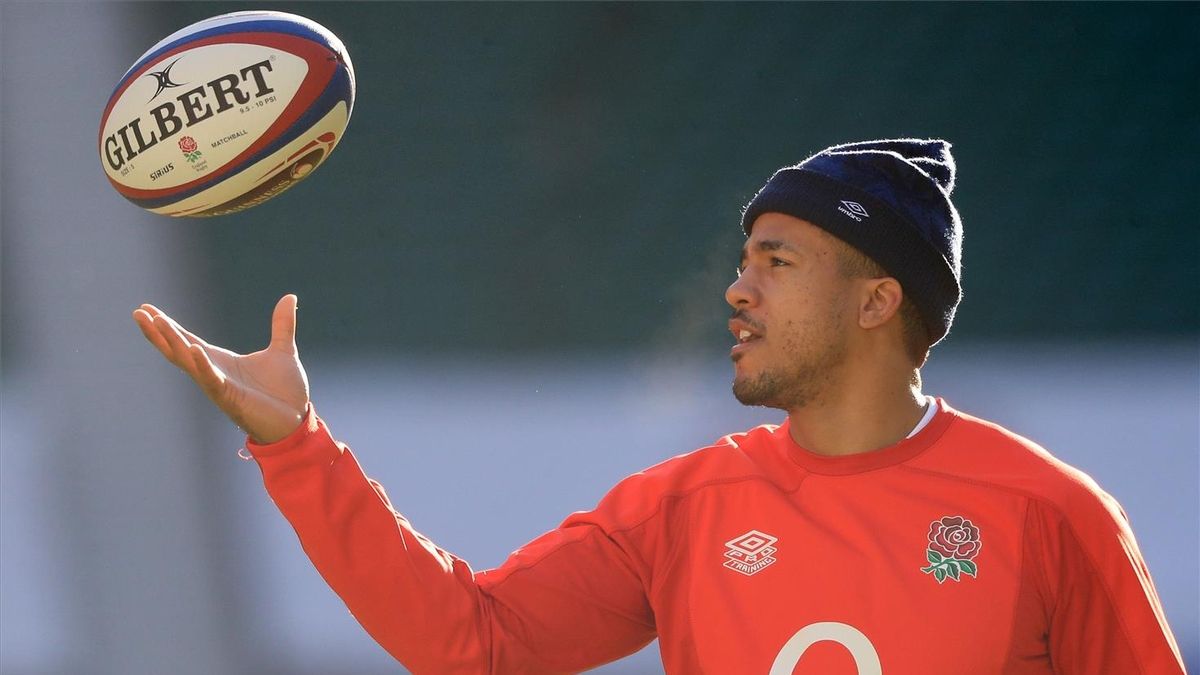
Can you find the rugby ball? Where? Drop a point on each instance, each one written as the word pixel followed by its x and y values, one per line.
pixel 226 113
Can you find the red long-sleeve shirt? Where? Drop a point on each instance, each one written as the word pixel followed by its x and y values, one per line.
pixel 964 549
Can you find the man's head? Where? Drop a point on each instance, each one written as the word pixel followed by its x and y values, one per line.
pixel 852 253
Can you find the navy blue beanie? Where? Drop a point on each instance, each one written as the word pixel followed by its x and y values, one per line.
pixel 889 199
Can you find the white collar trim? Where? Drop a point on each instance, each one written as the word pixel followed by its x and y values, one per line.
pixel 931 408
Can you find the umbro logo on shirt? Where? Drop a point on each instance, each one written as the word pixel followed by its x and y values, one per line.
pixel 750 553
pixel 854 210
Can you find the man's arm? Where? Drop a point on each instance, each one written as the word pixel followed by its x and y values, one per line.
pixel 1104 613
pixel 571 600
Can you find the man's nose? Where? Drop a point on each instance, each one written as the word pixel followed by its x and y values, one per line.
pixel 742 291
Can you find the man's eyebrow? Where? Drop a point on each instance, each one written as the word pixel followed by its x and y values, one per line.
pixel 768 245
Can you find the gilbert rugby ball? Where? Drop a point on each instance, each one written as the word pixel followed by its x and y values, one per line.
pixel 226 113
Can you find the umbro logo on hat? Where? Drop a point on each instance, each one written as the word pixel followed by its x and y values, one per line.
pixel 854 210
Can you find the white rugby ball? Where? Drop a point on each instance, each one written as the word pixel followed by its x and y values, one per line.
pixel 226 113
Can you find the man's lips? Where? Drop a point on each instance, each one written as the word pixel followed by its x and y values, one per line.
pixel 746 334
pixel 744 331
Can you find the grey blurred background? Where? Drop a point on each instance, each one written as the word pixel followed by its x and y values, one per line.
pixel 510 276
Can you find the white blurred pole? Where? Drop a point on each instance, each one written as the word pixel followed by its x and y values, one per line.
pixel 117 438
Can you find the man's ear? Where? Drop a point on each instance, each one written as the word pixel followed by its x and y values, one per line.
pixel 879 302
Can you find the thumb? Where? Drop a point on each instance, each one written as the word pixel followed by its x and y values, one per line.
pixel 283 324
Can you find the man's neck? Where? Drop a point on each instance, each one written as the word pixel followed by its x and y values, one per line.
pixel 857 419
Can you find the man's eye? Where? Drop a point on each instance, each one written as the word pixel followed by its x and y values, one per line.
pixel 778 262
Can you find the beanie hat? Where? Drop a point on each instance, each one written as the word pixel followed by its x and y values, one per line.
pixel 890 199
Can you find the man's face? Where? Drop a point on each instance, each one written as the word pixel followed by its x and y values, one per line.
pixel 792 312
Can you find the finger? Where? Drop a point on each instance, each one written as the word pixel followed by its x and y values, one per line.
pixel 176 343
pixel 146 323
pixel 191 337
pixel 283 324
pixel 152 310
pixel 156 313
pixel 167 330
pixel 207 375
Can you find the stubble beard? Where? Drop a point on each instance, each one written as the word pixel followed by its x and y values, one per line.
pixel 801 381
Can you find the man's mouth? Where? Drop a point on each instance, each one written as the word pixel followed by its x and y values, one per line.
pixel 745 333
pixel 746 336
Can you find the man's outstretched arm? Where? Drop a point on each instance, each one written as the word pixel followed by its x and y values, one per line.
pixel 570 600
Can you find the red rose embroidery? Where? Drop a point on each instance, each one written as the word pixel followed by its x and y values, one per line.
pixel 955 537
pixel 187 144
pixel 953 543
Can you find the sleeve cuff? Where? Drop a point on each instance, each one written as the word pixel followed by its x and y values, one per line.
pixel 309 426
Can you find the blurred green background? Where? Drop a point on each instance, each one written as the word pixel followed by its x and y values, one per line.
pixel 515 175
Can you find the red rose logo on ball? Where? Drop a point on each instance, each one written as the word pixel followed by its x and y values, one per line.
pixel 953 544
pixel 190 150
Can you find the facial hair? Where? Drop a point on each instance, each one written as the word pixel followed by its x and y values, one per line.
pixel 811 358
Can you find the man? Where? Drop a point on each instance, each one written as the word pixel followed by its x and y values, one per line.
pixel 876 530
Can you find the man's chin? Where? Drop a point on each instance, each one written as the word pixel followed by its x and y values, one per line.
pixel 753 394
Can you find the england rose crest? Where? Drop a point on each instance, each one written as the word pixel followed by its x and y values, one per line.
pixel 190 150
pixel 953 544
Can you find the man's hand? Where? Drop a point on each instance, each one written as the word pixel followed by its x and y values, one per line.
pixel 264 393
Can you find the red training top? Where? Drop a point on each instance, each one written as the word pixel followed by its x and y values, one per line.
pixel 964 549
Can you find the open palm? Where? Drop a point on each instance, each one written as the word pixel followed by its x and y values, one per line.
pixel 265 393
